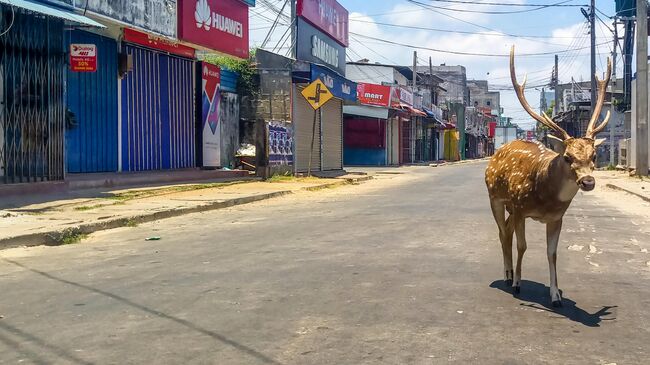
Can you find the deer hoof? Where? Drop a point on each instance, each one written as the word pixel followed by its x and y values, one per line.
pixel 509 283
pixel 516 289
pixel 557 303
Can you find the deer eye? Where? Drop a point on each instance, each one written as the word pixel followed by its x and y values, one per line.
pixel 568 159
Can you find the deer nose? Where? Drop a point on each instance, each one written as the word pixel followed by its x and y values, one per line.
pixel 587 183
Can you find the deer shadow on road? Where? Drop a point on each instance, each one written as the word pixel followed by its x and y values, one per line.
pixel 537 296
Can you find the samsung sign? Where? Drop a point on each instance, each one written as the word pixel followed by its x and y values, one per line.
pixel 316 47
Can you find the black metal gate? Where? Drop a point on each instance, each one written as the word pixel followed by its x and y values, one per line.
pixel 32 114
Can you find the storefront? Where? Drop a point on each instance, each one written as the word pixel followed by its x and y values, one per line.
pixel 158 108
pixel 409 124
pixel 366 136
pixel 91 138
pixel 32 85
pixel 325 124
pixel 320 43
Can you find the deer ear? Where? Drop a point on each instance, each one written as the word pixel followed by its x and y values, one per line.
pixel 599 141
pixel 556 144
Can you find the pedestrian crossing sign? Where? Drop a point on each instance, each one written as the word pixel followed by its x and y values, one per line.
pixel 317 94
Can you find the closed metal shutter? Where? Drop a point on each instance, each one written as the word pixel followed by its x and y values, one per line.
pixel 158 127
pixel 332 125
pixel 303 117
pixel 91 140
pixel 32 104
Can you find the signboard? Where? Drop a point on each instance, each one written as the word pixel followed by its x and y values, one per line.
pixel 405 96
pixel 340 87
pixel 530 136
pixel 400 95
pixel 159 43
pixel 317 94
pixel 219 25
pixel 314 46
pixel 372 94
pixel 328 16
pixel 210 102
pixel 83 57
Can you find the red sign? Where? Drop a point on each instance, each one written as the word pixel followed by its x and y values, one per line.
pixel 371 94
pixel 530 136
pixel 492 128
pixel 211 79
pixel 328 16
pixel 160 43
pixel 219 25
pixel 83 57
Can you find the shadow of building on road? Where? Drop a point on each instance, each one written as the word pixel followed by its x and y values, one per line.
pixel 537 296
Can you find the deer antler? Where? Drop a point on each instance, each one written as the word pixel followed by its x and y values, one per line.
pixel 519 89
pixel 592 130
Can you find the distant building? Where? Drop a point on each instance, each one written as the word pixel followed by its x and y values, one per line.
pixel 481 97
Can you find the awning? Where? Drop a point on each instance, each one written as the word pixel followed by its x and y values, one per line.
pixel 409 109
pixel 53 12
pixel 366 111
pixel 433 116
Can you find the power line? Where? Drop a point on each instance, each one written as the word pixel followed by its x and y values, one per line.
pixel 491 33
pixel 505 4
pixel 460 52
pixel 540 7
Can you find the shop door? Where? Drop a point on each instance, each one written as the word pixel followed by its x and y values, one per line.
pixel 158 128
pixel 332 127
pixel 91 134
pixel 303 117
pixel 32 104
pixel 406 141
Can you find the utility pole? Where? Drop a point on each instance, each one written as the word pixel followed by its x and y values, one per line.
pixel 556 81
pixel 415 71
pixel 294 30
pixel 592 21
pixel 433 96
pixel 612 126
pixel 641 88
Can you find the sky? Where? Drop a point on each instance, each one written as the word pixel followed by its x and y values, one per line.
pixel 561 30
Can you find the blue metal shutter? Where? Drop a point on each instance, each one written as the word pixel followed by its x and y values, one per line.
pixel 158 127
pixel 91 140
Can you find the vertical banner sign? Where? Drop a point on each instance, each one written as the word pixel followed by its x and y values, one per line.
pixel 83 57
pixel 210 81
pixel 328 16
pixel 220 25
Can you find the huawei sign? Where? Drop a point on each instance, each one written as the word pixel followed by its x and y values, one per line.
pixel 206 19
pixel 220 25
pixel 202 14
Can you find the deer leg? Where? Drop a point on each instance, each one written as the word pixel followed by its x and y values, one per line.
pixel 520 231
pixel 499 212
pixel 553 230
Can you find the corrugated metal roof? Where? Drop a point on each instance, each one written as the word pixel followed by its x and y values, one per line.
pixel 52 11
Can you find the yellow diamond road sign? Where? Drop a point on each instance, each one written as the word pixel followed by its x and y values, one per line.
pixel 317 94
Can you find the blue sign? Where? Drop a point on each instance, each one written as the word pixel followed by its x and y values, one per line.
pixel 340 87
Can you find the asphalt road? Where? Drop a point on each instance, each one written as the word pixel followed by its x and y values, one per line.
pixel 406 269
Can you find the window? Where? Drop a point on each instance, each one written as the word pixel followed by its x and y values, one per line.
pixel 488 102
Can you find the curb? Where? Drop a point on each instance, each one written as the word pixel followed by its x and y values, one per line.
pixel 452 163
pixel 615 187
pixel 54 238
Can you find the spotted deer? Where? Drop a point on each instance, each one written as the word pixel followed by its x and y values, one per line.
pixel 531 181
